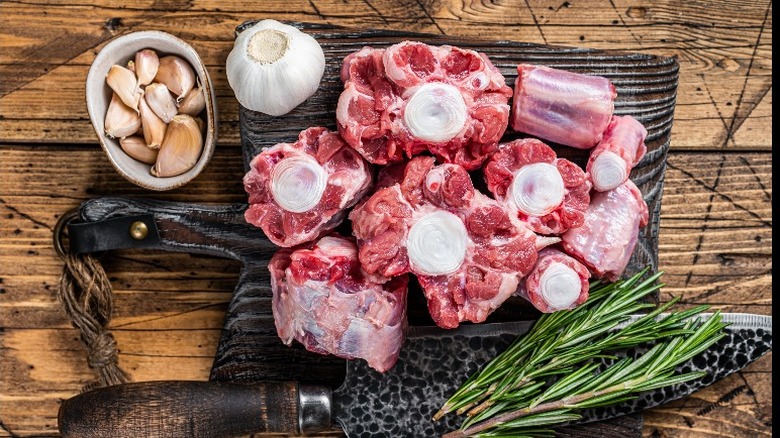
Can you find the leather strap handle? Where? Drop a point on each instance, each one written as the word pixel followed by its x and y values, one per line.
pixel 219 230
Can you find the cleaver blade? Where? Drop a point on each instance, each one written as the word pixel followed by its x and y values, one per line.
pixel 398 403
pixel 435 362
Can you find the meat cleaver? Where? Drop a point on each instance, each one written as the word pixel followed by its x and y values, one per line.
pixel 268 387
pixel 249 352
pixel 401 402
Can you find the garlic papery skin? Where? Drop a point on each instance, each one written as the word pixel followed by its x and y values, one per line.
pixel 193 103
pixel 180 149
pixel 146 65
pixel 298 183
pixel 608 171
pixel 436 244
pixel 161 101
pixel 124 84
pixel 560 286
pixel 176 74
pixel 153 127
pixel 136 148
pixel 274 67
pixel 537 189
pixel 121 120
pixel 436 112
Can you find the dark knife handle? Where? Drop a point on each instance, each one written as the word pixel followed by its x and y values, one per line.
pixel 195 409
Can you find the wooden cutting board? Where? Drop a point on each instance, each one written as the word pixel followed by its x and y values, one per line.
pixel 250 351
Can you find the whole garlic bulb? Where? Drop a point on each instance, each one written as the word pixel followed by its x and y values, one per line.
pixel 274 67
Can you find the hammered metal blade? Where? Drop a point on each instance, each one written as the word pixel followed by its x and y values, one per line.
pixel 434 362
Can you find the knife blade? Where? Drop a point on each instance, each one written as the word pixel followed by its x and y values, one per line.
pixel 400 402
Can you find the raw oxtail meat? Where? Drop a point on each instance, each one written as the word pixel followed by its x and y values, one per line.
pixel 548 193
pixel 412 97
pixel 300 191
pixel 606 240
pixel 557 282
pixel 323 299
pixel 466 250
pixel 560 106
pixel 618 152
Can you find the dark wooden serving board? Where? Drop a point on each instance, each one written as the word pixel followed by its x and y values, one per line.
pixel 249 350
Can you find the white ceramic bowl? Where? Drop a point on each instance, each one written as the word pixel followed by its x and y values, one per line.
pixel 120 50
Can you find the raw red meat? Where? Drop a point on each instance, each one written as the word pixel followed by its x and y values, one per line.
pixel 412 97
pixel 300 191
pixel 557 282
pixel 606 240
pixel 549 194
pixel 561 106
pixel 323 300
pixel 468 252
pixel 618 152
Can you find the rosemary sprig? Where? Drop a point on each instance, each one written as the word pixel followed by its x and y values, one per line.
pixel 513 392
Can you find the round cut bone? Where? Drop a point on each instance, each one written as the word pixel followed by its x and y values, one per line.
pixel 301 191
pixel 437 243
pixel 435 113
pixel 608 171
pixel 547 193
pixel 297 183
pixel 557 282
pixel 413 98
pixel 467 251
pixel 537 189
pixel 560 286
pixel 618 152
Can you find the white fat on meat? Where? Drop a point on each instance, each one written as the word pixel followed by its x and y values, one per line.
pixel 412 97
pixel 301 191
pixel 467 251
pixel 557 282
pixel 621 148
pixel 609 234
pixel 322 299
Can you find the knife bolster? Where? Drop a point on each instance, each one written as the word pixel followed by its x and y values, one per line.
pixel 314 408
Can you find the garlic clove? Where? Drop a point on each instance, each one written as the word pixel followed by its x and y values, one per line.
pixel 201 124
pixel 161 101
pixel 124 84
pixel 121 120
pixel 193 103
pixel 437 243
pixel 436 112
pixel 131 65
pixel 136 148
pixel 180 148
pixel 176 74
pixel 146 65
pixel 153 126
pixel 274 67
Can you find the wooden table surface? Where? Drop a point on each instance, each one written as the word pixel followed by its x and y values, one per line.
pixel 716 217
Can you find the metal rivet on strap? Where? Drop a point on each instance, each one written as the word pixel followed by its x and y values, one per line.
pixel 138 230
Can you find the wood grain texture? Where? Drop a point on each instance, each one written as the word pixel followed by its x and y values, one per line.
pixel 715 238
pixel 724 50
pixel 170 307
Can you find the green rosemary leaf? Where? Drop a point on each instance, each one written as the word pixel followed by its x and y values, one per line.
pixel 671 380
pixel 566 362
pixel 542 419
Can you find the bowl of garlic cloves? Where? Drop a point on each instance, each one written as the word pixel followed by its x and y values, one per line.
pixel 153 107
